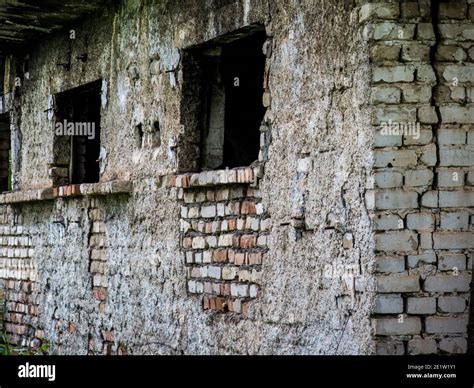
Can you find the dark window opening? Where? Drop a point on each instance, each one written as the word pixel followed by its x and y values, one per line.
pixel 243 64
pixel 5 154
pixel 77 135
pixel 231 71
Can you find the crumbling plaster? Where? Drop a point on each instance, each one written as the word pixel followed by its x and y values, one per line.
pixel 318 83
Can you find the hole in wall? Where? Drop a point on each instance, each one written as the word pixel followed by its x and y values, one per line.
pixel 139 135
pixel 156 134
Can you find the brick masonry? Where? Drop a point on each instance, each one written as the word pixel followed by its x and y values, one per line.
pixel 19 274
pixel 422 62
pixel 224 233
pixel 98 254
pixel 19 303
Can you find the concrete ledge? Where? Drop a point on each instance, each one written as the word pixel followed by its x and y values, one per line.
pixel 216 177
pixel 90 189
pixel 105 188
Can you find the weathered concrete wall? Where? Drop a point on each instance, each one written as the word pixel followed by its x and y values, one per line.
pixel 125 273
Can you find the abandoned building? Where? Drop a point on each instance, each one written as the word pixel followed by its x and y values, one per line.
pixel 237 176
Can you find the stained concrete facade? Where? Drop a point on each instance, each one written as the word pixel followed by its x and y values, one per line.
pixel 339 239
